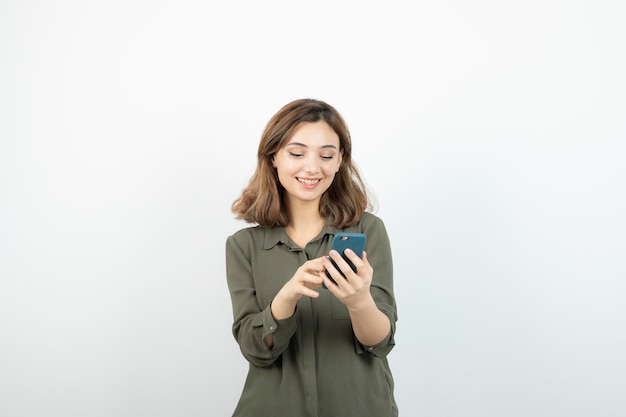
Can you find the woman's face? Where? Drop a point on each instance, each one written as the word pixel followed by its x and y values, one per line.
pixel 308 162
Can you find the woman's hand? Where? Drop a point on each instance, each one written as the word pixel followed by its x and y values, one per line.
pixel 354 289
pixel 307 278
pixel 370 325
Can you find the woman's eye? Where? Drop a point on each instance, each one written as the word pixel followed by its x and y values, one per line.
pixel 295 154
pixel 327 157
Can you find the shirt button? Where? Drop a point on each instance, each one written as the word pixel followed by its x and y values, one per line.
pixel 369 349
pixel 271 328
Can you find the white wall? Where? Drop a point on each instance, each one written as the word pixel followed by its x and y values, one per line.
pixel 493 134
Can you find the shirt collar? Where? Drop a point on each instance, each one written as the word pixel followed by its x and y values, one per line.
pixel 276 235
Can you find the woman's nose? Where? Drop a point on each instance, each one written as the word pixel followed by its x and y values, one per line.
pixel 311 165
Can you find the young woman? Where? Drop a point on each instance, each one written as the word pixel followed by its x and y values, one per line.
pixel 313 350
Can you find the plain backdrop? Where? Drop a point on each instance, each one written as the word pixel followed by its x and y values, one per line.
pixel 492 134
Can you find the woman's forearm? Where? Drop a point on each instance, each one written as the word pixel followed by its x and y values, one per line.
pixel 370 325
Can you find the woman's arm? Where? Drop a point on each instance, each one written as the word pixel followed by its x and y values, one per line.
pixel 253 324
pixel 370 325
pixel 368 294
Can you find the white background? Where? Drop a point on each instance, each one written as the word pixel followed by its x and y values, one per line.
pixel 492 133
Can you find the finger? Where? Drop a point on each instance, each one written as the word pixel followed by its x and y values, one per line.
pixel 313 278
pixel 330 274
pixel 332 285
pixel 314 266
pixel 342 265
pixel 309 292
pixel 354 258
pixel 333 270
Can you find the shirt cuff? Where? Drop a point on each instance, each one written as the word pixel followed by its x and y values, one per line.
pixel 281 330
pixel 379 350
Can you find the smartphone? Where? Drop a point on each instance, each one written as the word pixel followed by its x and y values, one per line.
pixel 343 241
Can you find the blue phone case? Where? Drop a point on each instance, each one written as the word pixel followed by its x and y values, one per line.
pixel 342 241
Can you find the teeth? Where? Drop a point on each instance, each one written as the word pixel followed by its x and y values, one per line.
pixel 308 182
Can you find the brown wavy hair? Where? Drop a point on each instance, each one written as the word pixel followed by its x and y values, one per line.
pixel 262 201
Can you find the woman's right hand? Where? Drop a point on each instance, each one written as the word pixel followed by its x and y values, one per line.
pixel 307 278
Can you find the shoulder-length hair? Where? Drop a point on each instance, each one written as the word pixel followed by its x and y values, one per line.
pixel 262 201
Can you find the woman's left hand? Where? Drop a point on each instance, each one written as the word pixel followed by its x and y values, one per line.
pixel 354 289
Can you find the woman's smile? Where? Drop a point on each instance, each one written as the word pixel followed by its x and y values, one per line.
pixel 308 182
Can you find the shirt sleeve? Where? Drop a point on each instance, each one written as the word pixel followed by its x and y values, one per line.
pixel 252 323
pixel 378 250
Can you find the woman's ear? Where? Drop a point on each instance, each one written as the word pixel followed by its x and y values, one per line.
pixel 340 159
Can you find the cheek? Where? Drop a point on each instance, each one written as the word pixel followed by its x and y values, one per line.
pixel 284 168
pixel 335 168
pixel 284 171
pixel 330 175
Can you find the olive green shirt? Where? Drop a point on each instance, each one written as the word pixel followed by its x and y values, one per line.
pixel 317 367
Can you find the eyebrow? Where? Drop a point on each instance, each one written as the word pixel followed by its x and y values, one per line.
pixel 304 146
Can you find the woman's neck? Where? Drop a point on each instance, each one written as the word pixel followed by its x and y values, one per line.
pixel 305 223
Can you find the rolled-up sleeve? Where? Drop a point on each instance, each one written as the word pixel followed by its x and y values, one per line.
pixel 378 250
pixel 252 323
